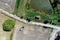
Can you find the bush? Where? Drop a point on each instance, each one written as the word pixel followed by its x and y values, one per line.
pixel 8 25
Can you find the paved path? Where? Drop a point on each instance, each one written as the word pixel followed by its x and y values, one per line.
pixel 53 34
pixel 30 32
pixel 3 35
pixel 34 23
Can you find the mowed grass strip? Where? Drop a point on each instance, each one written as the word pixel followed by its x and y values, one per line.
pixel 31 15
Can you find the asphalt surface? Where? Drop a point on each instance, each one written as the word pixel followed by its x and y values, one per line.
pixel 7 5
pixel 32 32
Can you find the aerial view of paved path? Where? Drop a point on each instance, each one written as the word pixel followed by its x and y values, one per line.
pixel 30 32
pixel 3 35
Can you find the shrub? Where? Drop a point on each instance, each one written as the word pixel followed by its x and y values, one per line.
pixel 8 25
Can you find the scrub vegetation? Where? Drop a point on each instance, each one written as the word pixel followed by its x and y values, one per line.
pixel 8 25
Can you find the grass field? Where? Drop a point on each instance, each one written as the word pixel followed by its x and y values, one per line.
pixel 54 18
pixel 29 13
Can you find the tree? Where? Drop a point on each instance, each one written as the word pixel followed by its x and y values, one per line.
pixel 8 25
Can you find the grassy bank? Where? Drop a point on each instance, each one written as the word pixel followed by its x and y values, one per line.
pixel 11 36
pixel 30 14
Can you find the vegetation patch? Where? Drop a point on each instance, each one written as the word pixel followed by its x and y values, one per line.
pixel 11 36
pixel 16 6
pixel 31 15
pixel 8 25
pixel 52 18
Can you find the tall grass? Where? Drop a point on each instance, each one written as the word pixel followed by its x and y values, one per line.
pixel 16 7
